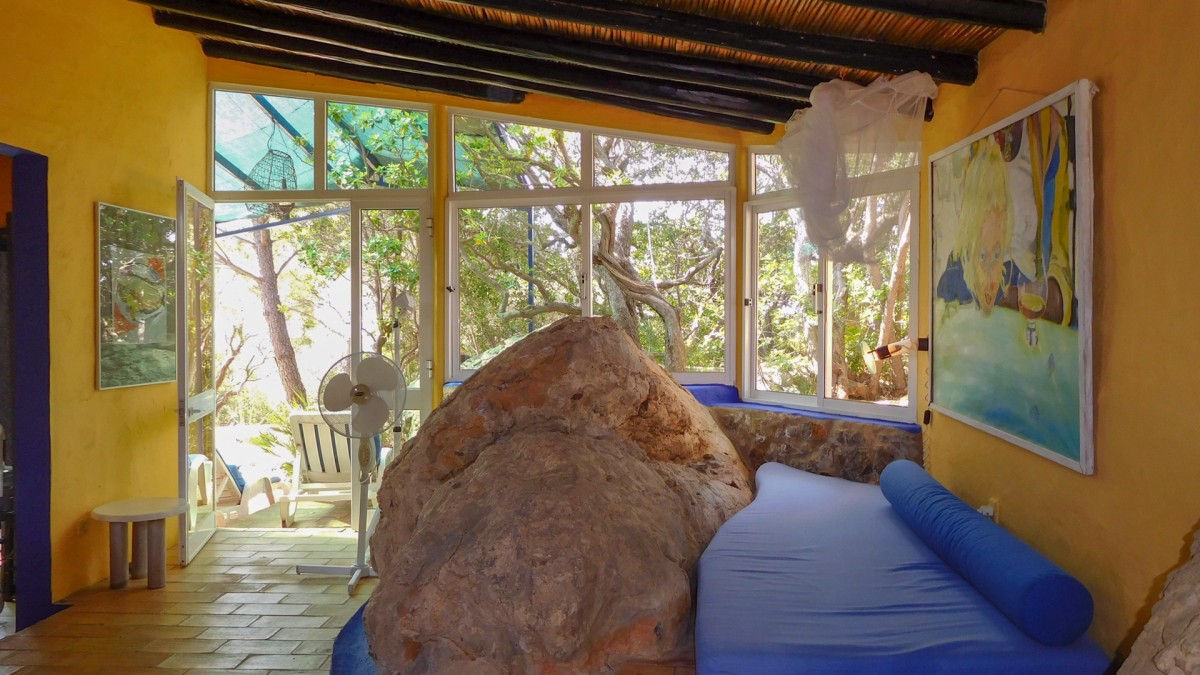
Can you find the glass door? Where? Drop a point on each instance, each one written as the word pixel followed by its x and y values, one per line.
pixel 195 367
pixel 393 315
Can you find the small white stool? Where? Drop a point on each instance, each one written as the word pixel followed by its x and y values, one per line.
pixel 149 538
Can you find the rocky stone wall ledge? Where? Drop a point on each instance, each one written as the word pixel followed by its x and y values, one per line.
pixel 856 450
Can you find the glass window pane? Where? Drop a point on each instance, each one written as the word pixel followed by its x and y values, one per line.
pixel 518 272
pixel 659 271
pixel 377 147
pixel 391 278
pixel 492 155
pixel 262 142
pixel 201 450
pixel 624 161
pixel 869 304
pixel 770 174
pixel 197 233
pixel 786 318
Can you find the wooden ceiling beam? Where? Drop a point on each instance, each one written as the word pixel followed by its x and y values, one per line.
pixel 293 61
pixel 362 73
pixel 762 40
pixel 382 49
pixel 256 39
pixel 1027 15
pixel 672 66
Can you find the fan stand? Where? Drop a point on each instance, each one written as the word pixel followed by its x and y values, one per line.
pixel 360 569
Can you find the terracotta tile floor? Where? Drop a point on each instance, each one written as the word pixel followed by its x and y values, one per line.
pixel 240 606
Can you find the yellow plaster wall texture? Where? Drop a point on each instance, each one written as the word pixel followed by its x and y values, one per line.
pixel 1123 529
pixel 117 105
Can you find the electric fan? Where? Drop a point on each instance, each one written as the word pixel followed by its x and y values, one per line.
pixel 371 387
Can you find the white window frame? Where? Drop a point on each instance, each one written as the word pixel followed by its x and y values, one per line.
pixel 586 197
pixel 397 199
pixel 897 180
pixel 320 190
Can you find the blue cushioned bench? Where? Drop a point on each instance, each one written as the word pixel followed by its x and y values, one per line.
pixel 824 575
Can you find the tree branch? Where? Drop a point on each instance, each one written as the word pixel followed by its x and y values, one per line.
pixel 537 310
pixel 708 259
pixel 223 258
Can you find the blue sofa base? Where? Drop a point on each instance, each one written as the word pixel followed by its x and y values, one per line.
pixel 350 653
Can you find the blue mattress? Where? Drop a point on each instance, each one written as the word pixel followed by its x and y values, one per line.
pixel 820 575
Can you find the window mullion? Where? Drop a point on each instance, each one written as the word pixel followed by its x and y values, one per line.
pixel 749 303
pixel 585 260
pixel 320 143
pixel 452 290
pixel 821 306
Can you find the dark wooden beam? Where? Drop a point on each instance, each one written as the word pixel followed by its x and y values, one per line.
pixel 1010 14
pixel 360 73
pixel 745 78
pixel 666 65
pixel 294 61
pixel 382 49
pixel 625 15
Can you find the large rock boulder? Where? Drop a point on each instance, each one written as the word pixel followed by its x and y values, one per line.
pixel 549 515
pixel 1170 642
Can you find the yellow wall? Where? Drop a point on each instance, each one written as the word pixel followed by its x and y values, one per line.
pixel 536 106
pixel 1121 530
pixel 117 105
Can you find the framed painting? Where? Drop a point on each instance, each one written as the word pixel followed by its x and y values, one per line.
pixel 136 297
pixel 1012 279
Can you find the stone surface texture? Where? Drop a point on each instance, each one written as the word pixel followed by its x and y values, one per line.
pixel 549 515
pixel 1170 642
pixel 849 449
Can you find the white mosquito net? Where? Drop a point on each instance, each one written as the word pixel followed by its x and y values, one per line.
pixel 849 133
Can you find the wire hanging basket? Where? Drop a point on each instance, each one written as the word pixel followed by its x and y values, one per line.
pixel 275 171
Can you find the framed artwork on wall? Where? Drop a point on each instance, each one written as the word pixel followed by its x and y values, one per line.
pixel 1012 279
pixel 136 297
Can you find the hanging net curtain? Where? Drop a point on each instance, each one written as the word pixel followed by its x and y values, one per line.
pixel 851 131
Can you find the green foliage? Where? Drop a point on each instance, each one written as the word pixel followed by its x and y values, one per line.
pixel 507 156
pixel 787 320
pixel 625 161
pixel 250 406
pixel 659 267
pixel 373 146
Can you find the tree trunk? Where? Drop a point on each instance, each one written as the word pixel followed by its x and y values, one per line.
pixel 619 305
pixel 615 238
pixel 281 341
pixel 613 260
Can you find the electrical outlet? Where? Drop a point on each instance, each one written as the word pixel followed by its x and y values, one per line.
pixel 991 510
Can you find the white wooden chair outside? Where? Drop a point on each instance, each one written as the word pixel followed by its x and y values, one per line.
pixel 323 470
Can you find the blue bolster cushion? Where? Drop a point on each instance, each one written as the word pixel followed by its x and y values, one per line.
pixel 1045 602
